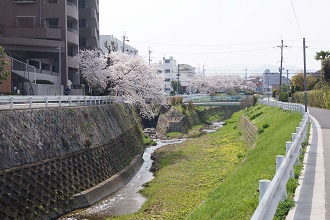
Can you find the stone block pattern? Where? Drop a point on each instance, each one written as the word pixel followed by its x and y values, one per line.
pixel 249 131
pixel 42 188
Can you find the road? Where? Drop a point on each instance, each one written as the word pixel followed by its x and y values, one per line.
pixel 313 194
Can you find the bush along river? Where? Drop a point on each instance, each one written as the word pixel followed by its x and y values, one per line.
pixel 128 200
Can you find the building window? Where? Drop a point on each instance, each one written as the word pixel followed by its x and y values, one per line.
pixel 167 70
pixel 82 23
pixel 82 4
pixel 52 23
pixel 167 80
pixel 25 22
pixel 82 42
pixel 167 61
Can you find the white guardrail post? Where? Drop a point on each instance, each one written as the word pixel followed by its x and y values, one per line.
pixel 272 192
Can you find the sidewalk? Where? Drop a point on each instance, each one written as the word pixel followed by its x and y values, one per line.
pixel 310 195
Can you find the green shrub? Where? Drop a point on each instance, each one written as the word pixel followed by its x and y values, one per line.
pixel 315 98
pixel 260 130
pixel 255 115
pixel 176 100
pixel 191 106
pixel 283 97
pixel 266 125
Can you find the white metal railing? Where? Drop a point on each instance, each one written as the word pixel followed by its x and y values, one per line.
pixel 208 98
pixel 272 192
pixel 29 102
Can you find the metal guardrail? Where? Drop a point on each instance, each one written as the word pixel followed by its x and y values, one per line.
pixel 29 102
pixel 271 193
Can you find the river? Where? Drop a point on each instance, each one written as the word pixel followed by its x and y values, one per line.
pixel 128 200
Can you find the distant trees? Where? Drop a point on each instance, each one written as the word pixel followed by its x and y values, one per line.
pixel 177 89
pixel 324 56
pixel 218 83
pixel 3 63
pixel 298 82
pixel 129 76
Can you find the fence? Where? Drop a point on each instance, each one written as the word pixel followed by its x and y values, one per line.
pixel 29 102
pixel 272 192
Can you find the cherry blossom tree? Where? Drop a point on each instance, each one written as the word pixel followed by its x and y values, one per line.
pixel 129 76
pixel 219 83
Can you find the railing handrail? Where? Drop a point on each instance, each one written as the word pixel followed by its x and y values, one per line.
pixel 274 193
pixel 80 100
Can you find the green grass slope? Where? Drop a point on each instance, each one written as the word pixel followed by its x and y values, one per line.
pixel 216 176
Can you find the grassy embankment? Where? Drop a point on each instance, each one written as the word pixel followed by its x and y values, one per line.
pixel 216 176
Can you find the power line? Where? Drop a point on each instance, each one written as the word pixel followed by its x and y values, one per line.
pixel 294 12
pixel 205 45
pixel 208 53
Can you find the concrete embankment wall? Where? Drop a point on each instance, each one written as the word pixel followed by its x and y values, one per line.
pixel 47 156
pixel 171 120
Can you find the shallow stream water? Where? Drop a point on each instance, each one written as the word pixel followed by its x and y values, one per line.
pixel 127 200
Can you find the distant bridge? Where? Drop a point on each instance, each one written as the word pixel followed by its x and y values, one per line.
pixel 207 100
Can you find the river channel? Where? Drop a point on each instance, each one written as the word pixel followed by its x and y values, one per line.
pixel 128 200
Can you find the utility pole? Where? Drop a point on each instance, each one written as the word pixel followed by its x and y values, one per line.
pixel 177 84
pixel 268 88
pixel 305 89
pixel 245 74
pixel 124 39
pixel 149 51
pixel 281 68
pixel 287 84
pixel 204 70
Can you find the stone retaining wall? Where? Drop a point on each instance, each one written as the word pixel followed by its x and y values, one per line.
pixel 47 156
pixel 249 131
pixel 172 121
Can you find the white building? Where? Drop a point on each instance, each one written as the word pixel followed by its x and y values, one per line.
pixel 272 80
pixel 170 69
pixel 116 45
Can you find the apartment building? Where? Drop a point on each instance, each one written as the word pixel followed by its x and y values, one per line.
pixel 170 69
pixel 45 35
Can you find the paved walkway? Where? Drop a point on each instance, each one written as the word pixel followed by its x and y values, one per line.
pixel 313 195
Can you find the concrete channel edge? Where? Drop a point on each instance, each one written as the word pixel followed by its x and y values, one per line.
pixel 100 191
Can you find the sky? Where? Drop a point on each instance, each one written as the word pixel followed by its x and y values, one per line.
pixel 223 36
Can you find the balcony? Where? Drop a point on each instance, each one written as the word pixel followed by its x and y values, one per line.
pixel 72 36
pixel 88 13
pixel 40 33
pixel 72 62
pixel 72 10
pixel 88 32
